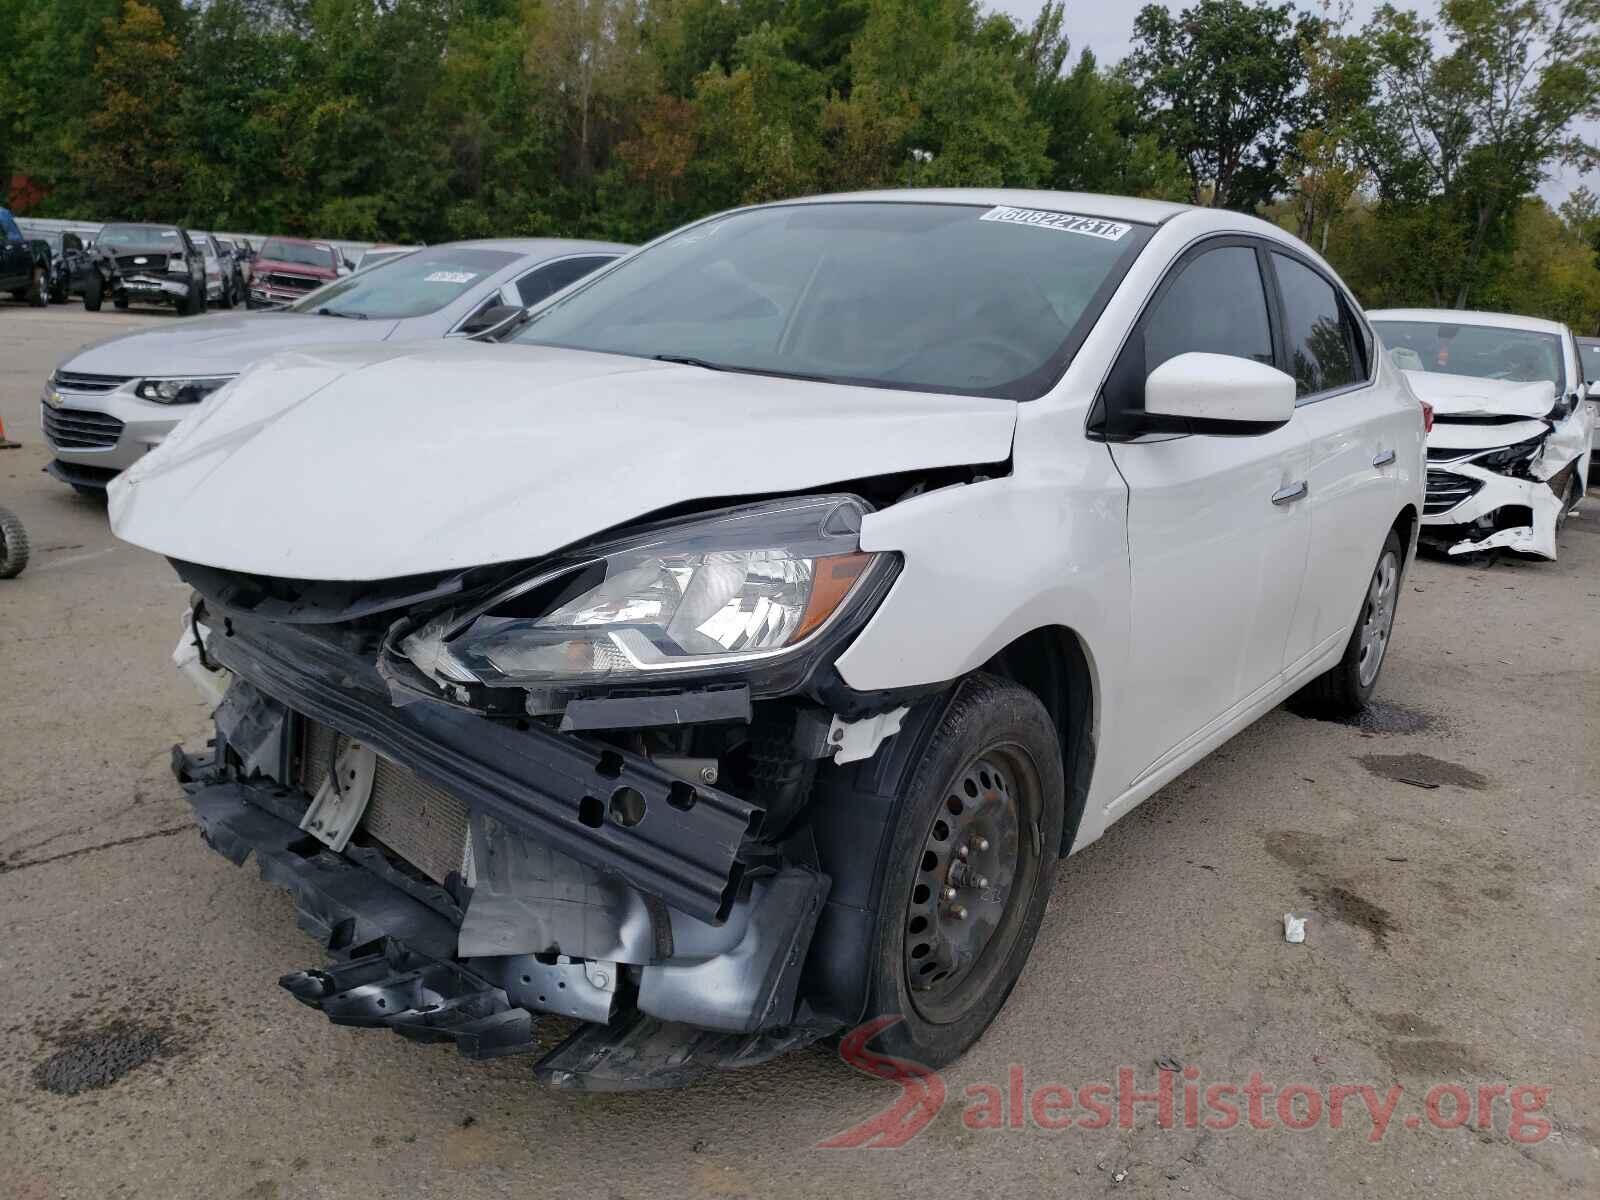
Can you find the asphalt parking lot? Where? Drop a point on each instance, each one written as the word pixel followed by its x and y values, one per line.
pixel 1448 856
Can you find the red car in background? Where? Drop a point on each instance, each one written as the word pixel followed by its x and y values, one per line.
pixel 287 268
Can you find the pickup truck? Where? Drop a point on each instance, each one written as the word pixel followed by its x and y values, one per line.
pixel 24 263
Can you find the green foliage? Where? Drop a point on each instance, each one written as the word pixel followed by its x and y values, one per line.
pixel 1406 150
pixel 1222 84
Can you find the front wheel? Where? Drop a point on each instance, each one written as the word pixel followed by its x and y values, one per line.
pixel 93 292
pixel 37 289
pixel 196 302
pixel 1345 688
pixel 13 545
pixel 977 837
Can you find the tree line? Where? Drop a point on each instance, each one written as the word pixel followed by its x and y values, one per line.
pixel 1409 149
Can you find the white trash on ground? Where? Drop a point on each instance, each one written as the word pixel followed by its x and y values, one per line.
pixel 1294 929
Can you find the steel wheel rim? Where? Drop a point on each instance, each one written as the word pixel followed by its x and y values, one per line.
pixel 1378 617
pixel 964 908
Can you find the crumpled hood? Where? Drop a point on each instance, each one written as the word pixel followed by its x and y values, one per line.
pixel 364 463
pixel 1468 396
pixel 219 345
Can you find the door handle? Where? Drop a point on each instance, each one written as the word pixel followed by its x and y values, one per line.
pixel 1383 458
pixel 1290 493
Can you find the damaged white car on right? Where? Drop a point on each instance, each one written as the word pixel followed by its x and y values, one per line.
pixel 1508 452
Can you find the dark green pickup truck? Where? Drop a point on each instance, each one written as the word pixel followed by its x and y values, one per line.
pixel 24 264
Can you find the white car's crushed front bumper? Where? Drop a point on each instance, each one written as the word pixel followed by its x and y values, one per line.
pixel 1541 492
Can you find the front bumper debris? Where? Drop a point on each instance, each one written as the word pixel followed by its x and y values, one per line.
pixel 393 962
pixel 555 788
pixel 1471 508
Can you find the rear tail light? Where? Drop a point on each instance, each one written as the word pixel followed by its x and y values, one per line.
pixel 1427 417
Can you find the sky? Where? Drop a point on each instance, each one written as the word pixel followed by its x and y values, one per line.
pixel 1104 26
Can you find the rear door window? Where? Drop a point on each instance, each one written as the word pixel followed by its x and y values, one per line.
pixel 1320 333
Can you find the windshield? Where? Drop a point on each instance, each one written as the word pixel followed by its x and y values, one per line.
pixel 116 237
pixel 307 254
pixel 410 286
pixel 1481 351
pixel 937 297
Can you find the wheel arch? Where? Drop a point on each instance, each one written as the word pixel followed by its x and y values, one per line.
pixel 1054 663
pixel 1406 526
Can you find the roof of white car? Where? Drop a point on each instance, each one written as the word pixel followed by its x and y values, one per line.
pixel 1466 316
pixel 1088 204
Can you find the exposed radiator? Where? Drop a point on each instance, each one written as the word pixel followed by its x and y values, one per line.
pixel 423 824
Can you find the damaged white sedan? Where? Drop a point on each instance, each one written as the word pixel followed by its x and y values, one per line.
pixel 728 659
pixel 1508 453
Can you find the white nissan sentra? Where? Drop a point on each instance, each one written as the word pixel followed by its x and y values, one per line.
pixel 727 660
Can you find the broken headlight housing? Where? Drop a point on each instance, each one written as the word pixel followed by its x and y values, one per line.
pixel 717 595
pixel 186 390
pixel 1511 460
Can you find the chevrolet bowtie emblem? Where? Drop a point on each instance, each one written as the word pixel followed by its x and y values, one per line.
pixel 54 399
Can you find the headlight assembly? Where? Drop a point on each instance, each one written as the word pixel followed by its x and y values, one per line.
pixel 187 390
pixel 1512 459
pixel 717 595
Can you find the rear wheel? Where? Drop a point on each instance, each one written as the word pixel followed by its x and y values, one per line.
pixel 977 836
pixel 13 545
pixel 1346 687
pixel 37 288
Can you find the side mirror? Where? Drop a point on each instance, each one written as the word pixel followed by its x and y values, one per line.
pixel 1219 394
pixel 487 320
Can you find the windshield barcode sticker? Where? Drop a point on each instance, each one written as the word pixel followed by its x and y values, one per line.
pixel 1111 231
pixel 450 277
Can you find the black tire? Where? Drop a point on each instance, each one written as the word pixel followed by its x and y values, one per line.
pixel 1346 687
pixel 991 725
pixel 196 302
pixel 93 292
pixel 38 289
pixel 1570 496
pixel 59 293
pixel 13 545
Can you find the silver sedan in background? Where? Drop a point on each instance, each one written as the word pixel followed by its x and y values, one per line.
pixel 108 405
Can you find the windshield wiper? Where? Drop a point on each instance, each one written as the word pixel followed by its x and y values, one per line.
pixel 684 360
pixel 325 311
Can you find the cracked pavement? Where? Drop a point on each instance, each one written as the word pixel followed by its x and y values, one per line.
pixel 1446 850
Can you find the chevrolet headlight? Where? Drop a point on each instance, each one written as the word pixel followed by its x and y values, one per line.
pixel 177 264
pixel 1512 458
pixel 188 390
pixel 723 592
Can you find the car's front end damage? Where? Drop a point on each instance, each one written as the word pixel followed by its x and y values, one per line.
pixel 1506 463
pixel 571 786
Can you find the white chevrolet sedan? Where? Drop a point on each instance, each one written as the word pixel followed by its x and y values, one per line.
pixel 1508 453
pixel 727 659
